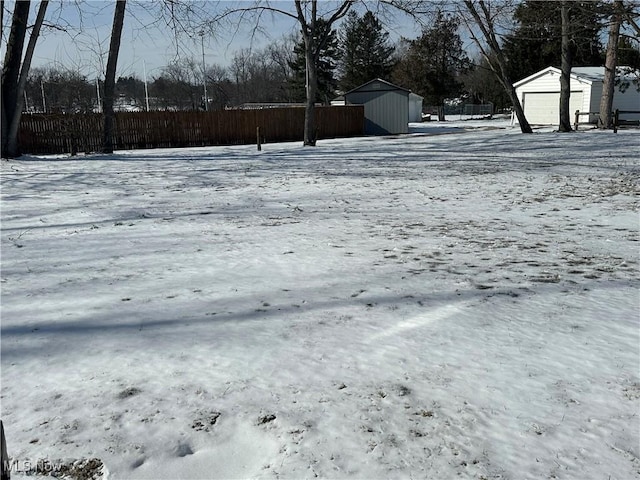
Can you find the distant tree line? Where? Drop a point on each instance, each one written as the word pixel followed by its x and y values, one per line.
pixel 434 65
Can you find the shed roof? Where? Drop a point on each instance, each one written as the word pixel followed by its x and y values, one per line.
pixel 365 86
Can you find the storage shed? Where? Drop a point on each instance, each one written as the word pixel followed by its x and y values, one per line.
pixel 386 107
pixel 415 107
pixel 539 94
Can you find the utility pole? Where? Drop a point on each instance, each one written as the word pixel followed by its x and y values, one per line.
pixel 44 101
pixel 146 88
pixel 204 73
pixel 98 95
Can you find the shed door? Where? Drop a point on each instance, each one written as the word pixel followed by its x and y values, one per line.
pixel 543 108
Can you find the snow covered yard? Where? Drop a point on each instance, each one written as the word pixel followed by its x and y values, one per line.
pixel 463 305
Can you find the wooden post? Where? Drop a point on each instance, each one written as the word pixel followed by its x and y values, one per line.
pixel 5 469
pixel 616 119
pixel 258 138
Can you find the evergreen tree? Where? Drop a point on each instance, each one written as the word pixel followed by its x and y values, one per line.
pixel 536 42
pixel 433 63
pixel 629 53
pixel 366 52
pixel 326 66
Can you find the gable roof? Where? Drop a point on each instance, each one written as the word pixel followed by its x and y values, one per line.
pixel 363 87
pixel 581 74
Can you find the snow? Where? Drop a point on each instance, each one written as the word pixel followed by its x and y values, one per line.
pixel 458 302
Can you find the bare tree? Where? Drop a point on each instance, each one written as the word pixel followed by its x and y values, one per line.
pixel 217 86
pixel 180 85
pixel 281 54
pixel 64 90
pixel 315 19
pixel 605 119
pixel 15 72
pixel 484 18
pixel 110 76
pixel 240 72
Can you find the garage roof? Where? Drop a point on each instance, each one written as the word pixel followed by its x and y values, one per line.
pixel 582 74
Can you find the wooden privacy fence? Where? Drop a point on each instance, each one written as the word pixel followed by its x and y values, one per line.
pixel 71 133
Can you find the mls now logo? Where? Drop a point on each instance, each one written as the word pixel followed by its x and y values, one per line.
pixel 28 467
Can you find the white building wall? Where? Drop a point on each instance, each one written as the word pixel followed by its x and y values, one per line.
pixel 587 94
pixel 415 108
pixel 549 83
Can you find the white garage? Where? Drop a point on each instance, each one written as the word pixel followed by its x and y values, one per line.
pixel 544 107
pixel 539 95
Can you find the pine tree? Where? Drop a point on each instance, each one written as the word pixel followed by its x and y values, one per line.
pixel 366 52
pixel 326 67
pixel 629 53
pixel 433 63
pixel 536 42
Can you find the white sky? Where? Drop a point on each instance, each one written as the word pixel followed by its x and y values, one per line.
pixel 85 44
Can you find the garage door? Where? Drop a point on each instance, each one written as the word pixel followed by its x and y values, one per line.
pixel 543 108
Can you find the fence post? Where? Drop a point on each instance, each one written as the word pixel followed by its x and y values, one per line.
pixel 5 470
pixel 258 138
pixel 616 119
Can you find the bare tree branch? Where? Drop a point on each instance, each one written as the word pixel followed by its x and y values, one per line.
pixel 483 18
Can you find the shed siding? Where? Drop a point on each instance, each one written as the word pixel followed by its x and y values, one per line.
pixel 627 100
pixel 386 107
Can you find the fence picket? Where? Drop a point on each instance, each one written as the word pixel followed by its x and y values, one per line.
pixel 64 133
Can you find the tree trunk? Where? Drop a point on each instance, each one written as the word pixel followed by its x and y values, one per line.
pixel 313 42
pixel 310 106
pixel 11 71
pixel 13 149
pixel 525 127
pixel 310 53
pixel 605 119
pixel 110 76
pixel 499 68
pixel 565 70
